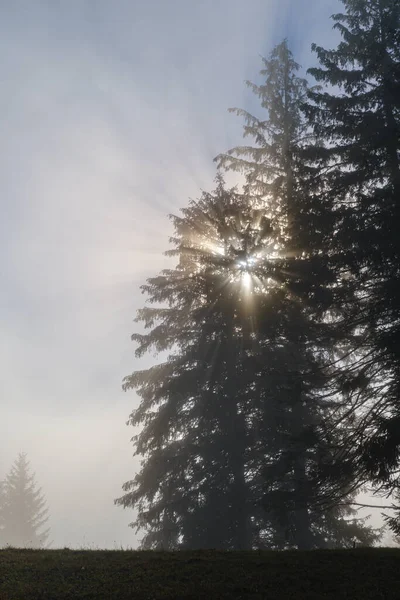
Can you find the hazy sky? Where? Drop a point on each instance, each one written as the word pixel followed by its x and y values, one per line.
pixel 111 114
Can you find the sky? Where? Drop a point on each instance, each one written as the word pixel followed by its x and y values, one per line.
pixel 112 113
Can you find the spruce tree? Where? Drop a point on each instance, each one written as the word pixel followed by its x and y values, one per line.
pixel 278 170
pixel 194 477
pixel 360 121
pixel 23 513
pixel 215 413
pixel 234 421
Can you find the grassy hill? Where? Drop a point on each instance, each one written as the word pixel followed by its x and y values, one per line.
pixel 361 574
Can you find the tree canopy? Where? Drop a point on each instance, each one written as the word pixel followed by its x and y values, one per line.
pixel 358 118
pixel 238 419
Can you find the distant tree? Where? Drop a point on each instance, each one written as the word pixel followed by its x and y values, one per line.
pixel 359 117
pixel 22 511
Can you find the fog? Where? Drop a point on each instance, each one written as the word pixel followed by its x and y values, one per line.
pixel 111 116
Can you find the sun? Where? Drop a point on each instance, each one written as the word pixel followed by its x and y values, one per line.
pixel 234 239
pixel 246 280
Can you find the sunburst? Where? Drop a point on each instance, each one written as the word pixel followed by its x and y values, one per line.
pixel 236 238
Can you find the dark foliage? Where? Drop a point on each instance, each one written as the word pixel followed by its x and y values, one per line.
pixel 360 123
pixel 236 421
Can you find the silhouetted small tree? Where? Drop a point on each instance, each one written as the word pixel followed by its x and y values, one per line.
pixel 22 509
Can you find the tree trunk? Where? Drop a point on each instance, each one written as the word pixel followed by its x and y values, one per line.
pixel 243 525
pixel 237 442
pixel 303 535
pixel 302 525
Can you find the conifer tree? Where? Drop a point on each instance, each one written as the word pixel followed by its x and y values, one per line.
pixel 197 446
pixel 22 511
pixel 234 422
pixel 213 414
pixel 278 170
pixel 360 120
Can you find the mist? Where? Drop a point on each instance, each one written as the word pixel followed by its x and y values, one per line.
pixel 112 114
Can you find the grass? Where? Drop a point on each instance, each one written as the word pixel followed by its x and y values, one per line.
pixel 361 574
